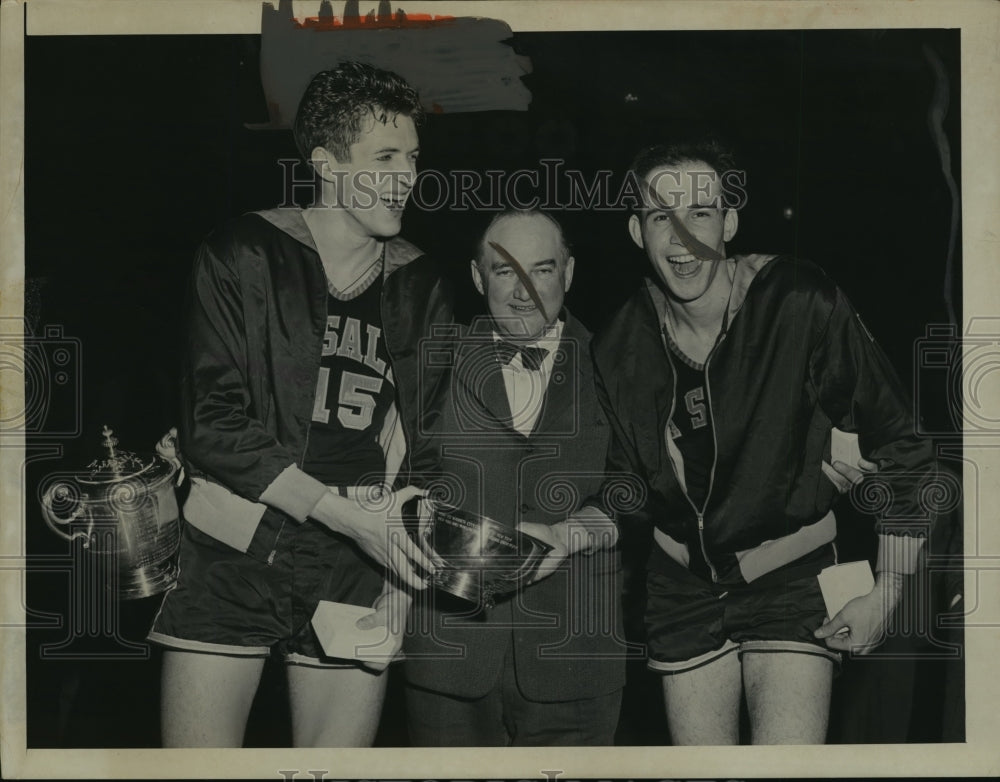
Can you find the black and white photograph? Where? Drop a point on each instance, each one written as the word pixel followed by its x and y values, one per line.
pixel 547 390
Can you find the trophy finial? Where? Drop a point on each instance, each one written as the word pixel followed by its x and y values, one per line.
pixel 110 442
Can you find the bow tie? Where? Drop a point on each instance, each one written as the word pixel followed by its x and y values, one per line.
pixel 531 357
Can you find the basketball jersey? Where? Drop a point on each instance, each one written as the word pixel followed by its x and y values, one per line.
pixel 353 394
pixel 691 426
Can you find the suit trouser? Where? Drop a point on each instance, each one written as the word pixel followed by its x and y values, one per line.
pixel 504 717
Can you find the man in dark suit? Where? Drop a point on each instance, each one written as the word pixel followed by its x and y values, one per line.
pixel 522 439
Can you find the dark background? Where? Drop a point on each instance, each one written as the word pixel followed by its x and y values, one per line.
pixel 138 145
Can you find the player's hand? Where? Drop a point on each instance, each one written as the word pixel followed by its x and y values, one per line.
pixel 425 519
pixel 844 477
pixel 167 448
pixel 167 445
pixel 376 526
pixel 390 612
pixel 859 626
pixel 558 536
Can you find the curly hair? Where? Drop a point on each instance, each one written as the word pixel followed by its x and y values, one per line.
pixel 336 102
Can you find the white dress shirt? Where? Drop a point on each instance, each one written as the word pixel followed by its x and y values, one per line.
pixel 526 387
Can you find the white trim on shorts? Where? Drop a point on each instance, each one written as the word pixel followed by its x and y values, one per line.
pixel 315 662
pixel 189 645
pixel 682 666
pixel 793 647
pixel 787 647
pixel 295 658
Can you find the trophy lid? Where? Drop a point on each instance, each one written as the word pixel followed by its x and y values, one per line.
pixel 118 465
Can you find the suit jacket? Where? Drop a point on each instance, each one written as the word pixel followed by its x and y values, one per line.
pixel 565 631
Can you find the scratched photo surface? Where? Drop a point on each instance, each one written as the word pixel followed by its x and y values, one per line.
pixel 137 146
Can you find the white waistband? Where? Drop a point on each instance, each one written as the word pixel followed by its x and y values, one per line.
pixel 769 555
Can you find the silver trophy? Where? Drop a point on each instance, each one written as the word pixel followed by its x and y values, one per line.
pixel 123 506
pixel 479 558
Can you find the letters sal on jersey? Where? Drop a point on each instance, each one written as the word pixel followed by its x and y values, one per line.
pixel 351 343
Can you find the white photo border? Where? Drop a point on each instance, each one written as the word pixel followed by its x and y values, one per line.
pixel 979 21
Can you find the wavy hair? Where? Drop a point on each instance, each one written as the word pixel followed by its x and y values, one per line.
pixel 337 101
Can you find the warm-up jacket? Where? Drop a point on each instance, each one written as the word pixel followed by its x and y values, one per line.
pixel 257 313
pixel 793 361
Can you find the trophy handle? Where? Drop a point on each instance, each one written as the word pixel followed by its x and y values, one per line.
pixel 61 491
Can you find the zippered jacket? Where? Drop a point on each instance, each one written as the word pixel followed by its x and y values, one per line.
pixel 256 319
pixel 793 361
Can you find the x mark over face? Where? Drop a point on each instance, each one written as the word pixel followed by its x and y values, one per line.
pixel 524 275
pixel 684 227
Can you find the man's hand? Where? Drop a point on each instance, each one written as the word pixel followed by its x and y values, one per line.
pixel 378 530
pixel 843 476
pixel 558 536
pixel 590 532
pixel 859 625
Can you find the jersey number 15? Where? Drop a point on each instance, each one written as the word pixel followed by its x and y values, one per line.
pixel 355 401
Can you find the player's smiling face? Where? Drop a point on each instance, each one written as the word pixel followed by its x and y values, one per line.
pixel 372 187
pixel 534 242
pixel 689 193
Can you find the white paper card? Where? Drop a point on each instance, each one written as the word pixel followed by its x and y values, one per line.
pixel 338 633
pixel 844 448
pixel 842 583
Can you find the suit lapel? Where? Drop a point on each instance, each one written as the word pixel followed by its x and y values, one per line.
pixel 481 385
pixel 562 397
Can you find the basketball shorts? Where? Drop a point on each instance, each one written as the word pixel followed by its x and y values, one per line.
pixel 226 602
pixel 691 622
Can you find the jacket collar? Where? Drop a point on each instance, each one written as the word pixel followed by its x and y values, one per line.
pixel 742 270
pixel 398 252
pixel 747 267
